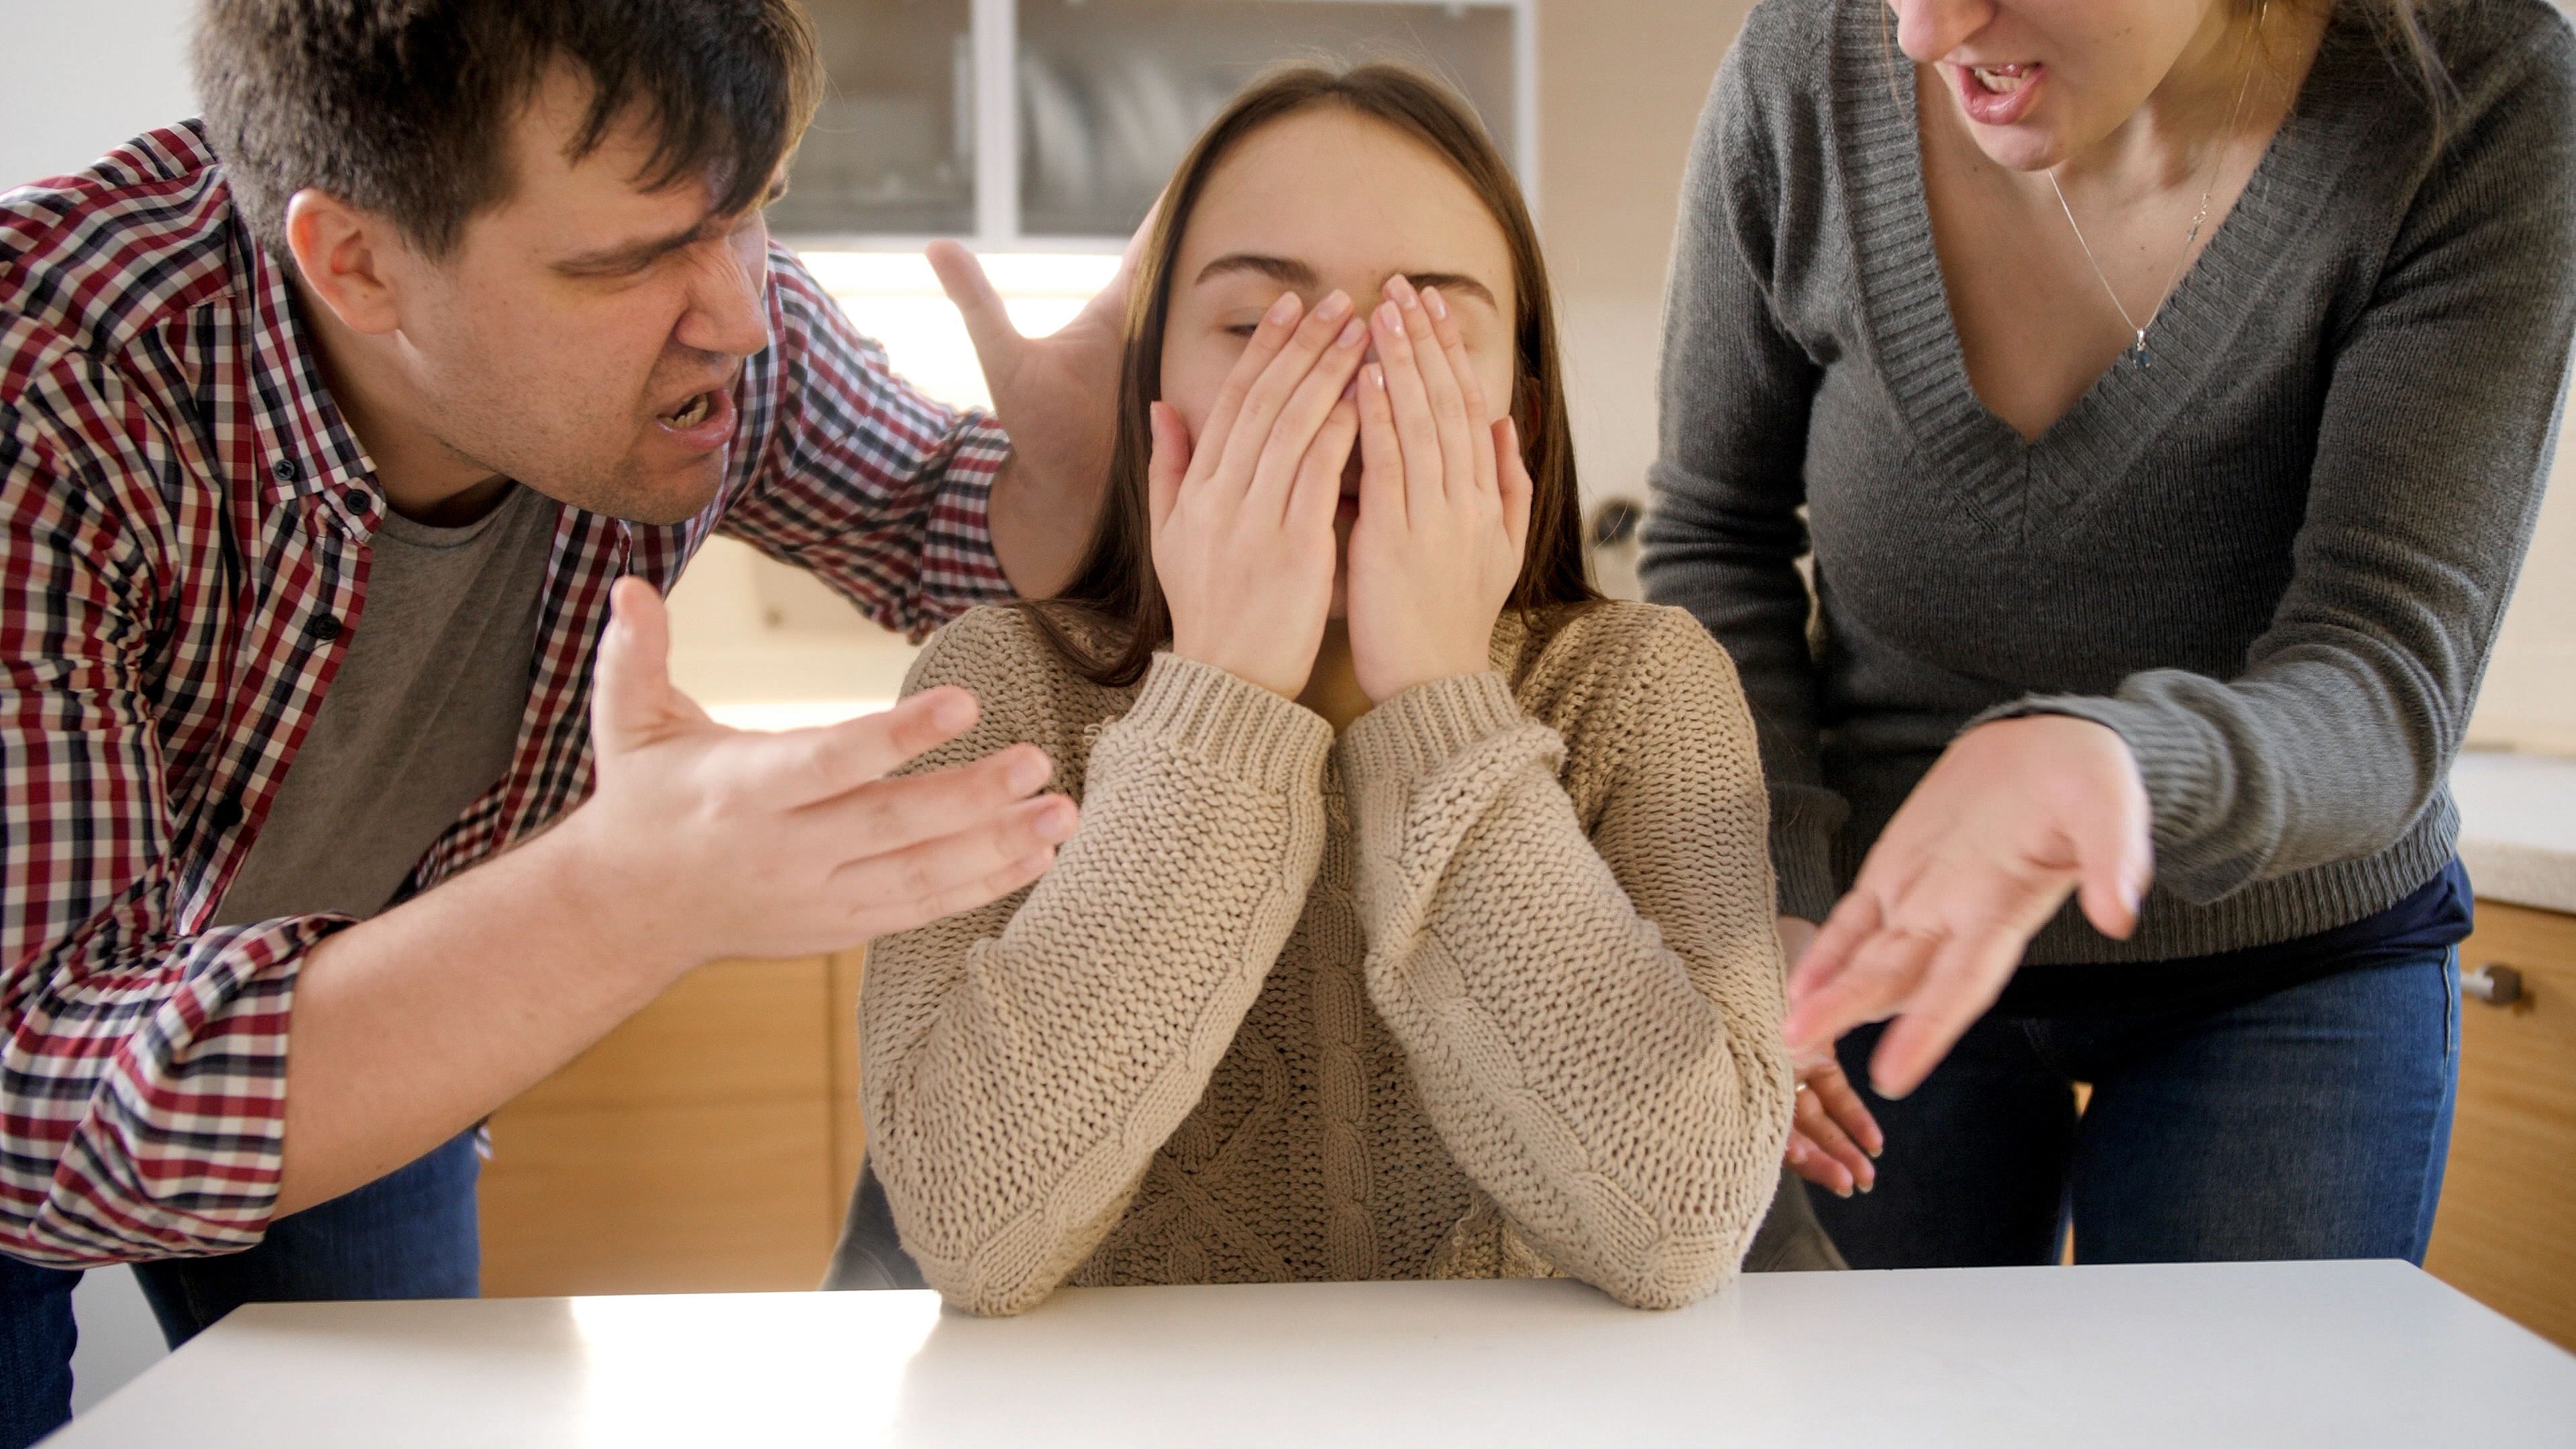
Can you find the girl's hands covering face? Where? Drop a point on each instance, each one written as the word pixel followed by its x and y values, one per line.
pixel 1444 503
pixel 1243 515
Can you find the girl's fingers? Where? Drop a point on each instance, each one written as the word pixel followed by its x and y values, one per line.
pixel 1450 346
pixel 1416 429
pixel 1170 463
pixel 1382 488
pixel 1511 476
pixel 1269 394
pixel 1277 326
pixel 1275 473
pixel 1464 460
pixel 1319 473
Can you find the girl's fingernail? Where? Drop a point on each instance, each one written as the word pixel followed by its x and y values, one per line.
pixel 1376 376
pixel 1431 303
pixel 1333 306
pixel 1399 288
pixel 1284 308
pixel 1352 333
pixel 1391 317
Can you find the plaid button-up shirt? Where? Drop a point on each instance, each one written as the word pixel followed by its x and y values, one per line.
pixel 184 529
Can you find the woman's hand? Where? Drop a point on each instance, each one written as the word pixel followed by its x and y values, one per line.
pixel 1444 504
pixel 2013 816
pixel 1833 1137
pixel 1243 519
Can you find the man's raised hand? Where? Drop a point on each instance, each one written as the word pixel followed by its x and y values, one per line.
pixel 720 842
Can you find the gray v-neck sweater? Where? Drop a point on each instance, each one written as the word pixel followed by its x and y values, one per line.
pixel 2273 560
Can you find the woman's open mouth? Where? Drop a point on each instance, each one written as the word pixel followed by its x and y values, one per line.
pixel 1998 94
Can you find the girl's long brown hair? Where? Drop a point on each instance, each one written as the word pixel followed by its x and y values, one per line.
pixel 1114 585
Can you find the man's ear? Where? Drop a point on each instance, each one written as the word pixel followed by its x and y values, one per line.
pixel 347 257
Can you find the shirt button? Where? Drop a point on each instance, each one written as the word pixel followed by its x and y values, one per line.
pixel 324 627
pixel 226 814
pixel 358 500
pixel 285 470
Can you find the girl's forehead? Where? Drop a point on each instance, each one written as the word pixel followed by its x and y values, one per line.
pixel 1349 197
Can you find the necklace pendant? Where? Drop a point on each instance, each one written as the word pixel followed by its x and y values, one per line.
pixel 2137 355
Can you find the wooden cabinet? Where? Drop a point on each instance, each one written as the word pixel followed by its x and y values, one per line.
pixel 2506 1231
pixel 707 1145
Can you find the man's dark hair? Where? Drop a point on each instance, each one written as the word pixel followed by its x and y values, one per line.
pixel 404 107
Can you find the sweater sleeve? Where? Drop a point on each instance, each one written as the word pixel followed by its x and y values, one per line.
pixel 1593 1021
pixel 2432 454
pixel 1025 1061
pixel 1726 528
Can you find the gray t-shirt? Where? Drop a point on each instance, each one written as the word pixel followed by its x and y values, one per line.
pixel 418 723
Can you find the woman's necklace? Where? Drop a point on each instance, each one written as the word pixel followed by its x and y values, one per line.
pixel 2137 350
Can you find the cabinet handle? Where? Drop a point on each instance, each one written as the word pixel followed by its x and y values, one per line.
pixel 2495 984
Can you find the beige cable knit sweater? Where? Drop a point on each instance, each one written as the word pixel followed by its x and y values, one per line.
pixel 1488 987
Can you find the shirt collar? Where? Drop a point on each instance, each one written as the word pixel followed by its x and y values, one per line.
pixel 306 447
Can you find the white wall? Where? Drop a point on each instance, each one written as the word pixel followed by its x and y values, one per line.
pixel 61 105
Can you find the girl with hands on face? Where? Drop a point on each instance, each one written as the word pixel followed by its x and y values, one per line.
pixel 1418 924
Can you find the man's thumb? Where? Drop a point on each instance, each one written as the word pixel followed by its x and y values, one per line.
pixel 632 699
pixel 988 322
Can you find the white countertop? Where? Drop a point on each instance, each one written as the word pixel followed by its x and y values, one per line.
pixel 2518 829
pixel 2342 1354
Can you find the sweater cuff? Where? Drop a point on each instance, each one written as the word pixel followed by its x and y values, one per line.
pixel 1418 731
pixel 1236 726
pixel 1802 855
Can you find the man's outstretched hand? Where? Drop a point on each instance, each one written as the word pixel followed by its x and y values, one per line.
pixel 741 843
pixel 1057 397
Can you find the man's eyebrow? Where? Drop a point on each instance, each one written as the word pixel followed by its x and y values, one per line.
pixel 628 256
pixel 1287 271
pixel 632 256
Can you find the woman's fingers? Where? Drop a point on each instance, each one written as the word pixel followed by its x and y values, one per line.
pixel 1277 325
pixel 1382 490
pixel 1451 430
pixel 1477 415
pixel 1283 454
pixel 1170 462
pixel 1269 393
pixel 1826 1138
pixel 1319 473
pixel 1838 1100
pixel 1417 430
pixel 1957 985
pixel 1511 473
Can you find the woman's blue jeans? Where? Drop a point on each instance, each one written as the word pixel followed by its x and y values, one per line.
pixel 409 1234
pixel 2310 1123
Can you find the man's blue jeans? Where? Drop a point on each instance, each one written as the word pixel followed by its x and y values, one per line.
pixel 2310 1123
pixel 409 1234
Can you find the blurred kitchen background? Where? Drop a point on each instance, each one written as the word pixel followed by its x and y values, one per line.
pixel 708 1144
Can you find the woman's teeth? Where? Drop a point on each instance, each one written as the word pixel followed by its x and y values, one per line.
pixel 691 413
pixel 2001 80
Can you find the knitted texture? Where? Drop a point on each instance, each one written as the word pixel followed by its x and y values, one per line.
pixel 1488 987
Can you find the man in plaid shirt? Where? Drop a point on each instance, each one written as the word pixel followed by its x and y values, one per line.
pixel 462 311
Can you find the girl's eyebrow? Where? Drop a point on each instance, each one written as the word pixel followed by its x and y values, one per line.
pixel 1290 272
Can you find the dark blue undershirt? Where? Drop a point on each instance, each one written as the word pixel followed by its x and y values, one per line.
pixel 2437 914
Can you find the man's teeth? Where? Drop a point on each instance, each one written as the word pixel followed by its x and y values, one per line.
pixel 2002 80
pixel 692 412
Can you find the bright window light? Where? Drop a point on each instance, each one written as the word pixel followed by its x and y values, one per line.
pixel 894 297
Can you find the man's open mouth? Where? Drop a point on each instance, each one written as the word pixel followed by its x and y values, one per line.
pixel 691 413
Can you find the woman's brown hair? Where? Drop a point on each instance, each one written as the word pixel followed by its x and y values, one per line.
pixel 1114 585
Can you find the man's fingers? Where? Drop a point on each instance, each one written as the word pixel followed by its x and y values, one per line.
pixel 900 889
pixel 988 322
pixel 798 767
pixel 633 703
pixel 895 814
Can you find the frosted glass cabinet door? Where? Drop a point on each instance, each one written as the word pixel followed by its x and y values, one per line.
pixel 1111 92
pixel 892 150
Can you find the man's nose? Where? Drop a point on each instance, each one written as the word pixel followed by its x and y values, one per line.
pixel 1927 30
pixel 728 304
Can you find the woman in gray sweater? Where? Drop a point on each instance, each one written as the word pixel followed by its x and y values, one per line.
pixel 2165 389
